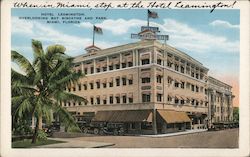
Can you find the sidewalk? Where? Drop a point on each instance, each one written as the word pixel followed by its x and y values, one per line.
pixel 176 133
pixel 75 143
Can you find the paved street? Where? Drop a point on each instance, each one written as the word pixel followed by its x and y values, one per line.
pixel 214 139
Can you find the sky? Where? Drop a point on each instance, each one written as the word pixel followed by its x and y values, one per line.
pixel 210 38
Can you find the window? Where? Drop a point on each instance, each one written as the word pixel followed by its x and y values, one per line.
pixel 182 69
pixel 92 70
pixel 104 85
pixel 123 65
pixel 192 88
pixel 192 74
pixel 197 103
pixel 74 104
pixel 91 85
pixel 158 79
pixel 111 84
pixel 98 100
pixel 169 80
pixel 74 88
pixel 145 61
pixel 69 89
pixel 98 70
pixel 159 61
pixel 117 81
pixel 169 98
pixel 117 99
pixel 124 81
pixel 182 102
pixel 145 80
pixel 92 101
pixel 79 103
pixel 130 81
pixel 169 64
pixel 130 64
pixel 104 68
pixel 98 85
pixel 182 85
pixel 205 91
pixel 85 87
pixel 104 101
pixel 130 100
pixel 176 101
pixel 111 100
pixel 86 70
pixel 145 97
pixel 197 76
pixel 197 89
pixel 111 67
pixel 159 97
pixel 64 103
pixel 193 101
pixel 176 67
pixel 176 84
pixel 124 99
pixel 117 66
pixel 79 87
pixel 69 104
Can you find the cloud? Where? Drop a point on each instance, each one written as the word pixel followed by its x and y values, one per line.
pixel 35 30
pixel 117 27
pixel 224 24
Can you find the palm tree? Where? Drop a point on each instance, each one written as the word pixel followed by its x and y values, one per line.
pixel 41 89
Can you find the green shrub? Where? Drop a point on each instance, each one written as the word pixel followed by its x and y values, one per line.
pixel 41 136
pixel 74 129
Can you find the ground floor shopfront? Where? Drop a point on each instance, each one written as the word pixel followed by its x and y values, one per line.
pixel 150 121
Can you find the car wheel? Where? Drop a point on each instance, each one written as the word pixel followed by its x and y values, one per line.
pixel 96 131
pixel 85 130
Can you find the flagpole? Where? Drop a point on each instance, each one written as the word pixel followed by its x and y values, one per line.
pixel 93 35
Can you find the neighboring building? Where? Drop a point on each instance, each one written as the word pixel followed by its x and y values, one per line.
pixel 220 101
pixel 151 87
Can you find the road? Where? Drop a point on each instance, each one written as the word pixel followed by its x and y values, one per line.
pixel 214 139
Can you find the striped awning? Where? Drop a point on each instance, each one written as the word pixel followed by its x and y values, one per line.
pixel 124 116
pixel 171 116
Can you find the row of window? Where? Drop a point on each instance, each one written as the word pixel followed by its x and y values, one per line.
pixel 194 102
pixel 123 81
pixel 112 99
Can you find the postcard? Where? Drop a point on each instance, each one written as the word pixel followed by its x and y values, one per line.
pixel 116 78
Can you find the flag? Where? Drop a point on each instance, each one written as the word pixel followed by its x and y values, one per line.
pixel 152 14
pixel 97 30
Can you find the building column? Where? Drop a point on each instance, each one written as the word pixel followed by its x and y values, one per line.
pixel 133 56
pixel 120 58
pixel 94 61
pixel 154 125
pixel 82 66
pixel 107 59
pixel 136 58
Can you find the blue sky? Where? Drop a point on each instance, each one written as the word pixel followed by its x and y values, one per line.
pixel 211 38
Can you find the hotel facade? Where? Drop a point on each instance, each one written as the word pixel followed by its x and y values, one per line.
pixel 150 87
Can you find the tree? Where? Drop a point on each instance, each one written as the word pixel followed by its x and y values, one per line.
pixel 41 89
pixel 236 114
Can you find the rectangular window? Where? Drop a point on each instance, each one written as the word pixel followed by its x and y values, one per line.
pixel 104 101
pixel 79 87
pixel 104 68
pixel 92 70
pixel 145 97
pixel 117 66
pixel 104 85
pixel 182 85
pixel 130 100
pixel 193 101
pixel 111 67
pixel 74 88
pixel 169 99
pixel 123 65
pixel 98 100
pixel 205 91
pixel 145 80
pixel 98 70
pixel 197 76
pixel 158 79
pixel 124 99
pixel 69 104
pixel 176 101
pixel 130 82
pixel 117 81
pixel 176 84
pixel 92 101
pixel 85 87
pixel 169 64
pixel 86 71
pixel 192 88
pixel 110 84
pixel 124 81
pixel 91 85
pixel 197 89
pixel 159 97
pixel 192 74
pixel 182 69
pixel 111 100
pixel 98 85
pixel 182 102
pixel 159 61
pixel 117 99
pixel 130 64
pixel 176 67
pixel 145 61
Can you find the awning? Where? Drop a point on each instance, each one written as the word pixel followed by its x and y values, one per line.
pixel 124 116
pixel 171 116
